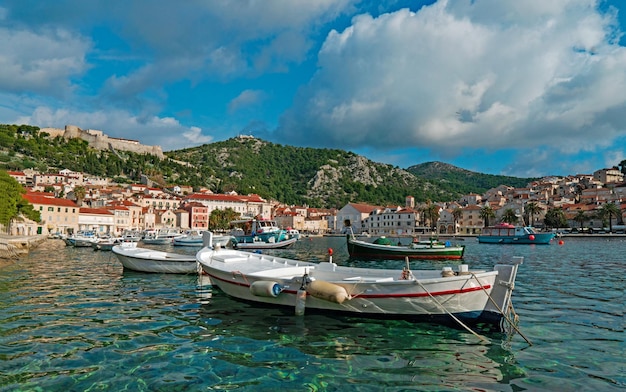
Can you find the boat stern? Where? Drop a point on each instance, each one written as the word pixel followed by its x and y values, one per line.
pixel 500 302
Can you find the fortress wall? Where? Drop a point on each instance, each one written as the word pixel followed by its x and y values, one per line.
pixel 98 140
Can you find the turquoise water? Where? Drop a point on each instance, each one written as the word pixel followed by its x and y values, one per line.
pixel 74 320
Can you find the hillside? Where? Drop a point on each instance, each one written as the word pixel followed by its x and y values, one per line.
pixel 293 175
pixel 450 178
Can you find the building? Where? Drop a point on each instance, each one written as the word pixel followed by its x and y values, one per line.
pixel 57 215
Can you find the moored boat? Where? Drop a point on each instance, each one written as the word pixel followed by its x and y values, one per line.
pixel 260 234
pixel 384 248
pixel 478 295
pixel 505 233
pixel 161 237
pixel 150 260
pixel 257 244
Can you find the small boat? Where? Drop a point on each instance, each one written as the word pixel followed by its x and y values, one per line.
pixel 82 239
pixel 473 295
pixel 506 233
pixel 161 237
pixel 257 244
pixel 383 248
pixel 106 243
pixel 249 230
pixel 149 260
pixel 194 238
pixel 260 234
pixel 189 238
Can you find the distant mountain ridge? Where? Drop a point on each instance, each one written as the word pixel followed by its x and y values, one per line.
pixel 452 178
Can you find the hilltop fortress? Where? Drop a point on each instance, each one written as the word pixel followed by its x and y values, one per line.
pixel 98 140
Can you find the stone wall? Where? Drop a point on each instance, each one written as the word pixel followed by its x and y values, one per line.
pixel 100 141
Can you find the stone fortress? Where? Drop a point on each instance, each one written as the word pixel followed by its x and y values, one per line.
pixel 98 140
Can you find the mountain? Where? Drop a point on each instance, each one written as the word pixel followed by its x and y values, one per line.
pixel 454 179
pixel 293 175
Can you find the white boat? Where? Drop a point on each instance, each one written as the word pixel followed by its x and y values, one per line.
pixel 194 238
pixel 82 239
pixel 189 238
pixel 161 237
pixel 478 295
pixel 258 244
pixel 149 260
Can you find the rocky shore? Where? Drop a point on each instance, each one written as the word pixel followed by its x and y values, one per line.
pixel 12 247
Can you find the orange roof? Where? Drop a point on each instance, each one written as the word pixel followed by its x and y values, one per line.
pixel 34 198
pixel 95 211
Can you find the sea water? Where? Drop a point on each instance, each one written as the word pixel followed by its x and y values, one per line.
pixel 72 319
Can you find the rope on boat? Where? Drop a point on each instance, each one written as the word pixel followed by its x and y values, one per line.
pixel 506 317
pixel 451 315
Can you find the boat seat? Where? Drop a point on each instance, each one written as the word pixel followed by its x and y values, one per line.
pixel 230 259
pixel 369 279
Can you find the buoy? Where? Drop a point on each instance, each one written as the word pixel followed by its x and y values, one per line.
pixel 327 291
pixel 264 288
pixel 531 237
pixel 561 242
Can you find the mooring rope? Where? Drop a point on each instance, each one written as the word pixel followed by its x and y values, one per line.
pixel 451 315
pixel 506 317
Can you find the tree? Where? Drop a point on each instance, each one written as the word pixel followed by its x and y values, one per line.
pixel 608 211
pixel 487 213
pixel 220 219
pixel 509 216
pixel 581 218
pixel 79 193
pixel 555 217
pixel 12 203
pixel 431 213
pixel 456 214
pixel 532 209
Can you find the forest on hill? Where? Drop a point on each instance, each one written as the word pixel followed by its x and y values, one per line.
pixel 324 178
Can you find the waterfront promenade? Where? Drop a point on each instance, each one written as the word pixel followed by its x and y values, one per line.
pixel 12 247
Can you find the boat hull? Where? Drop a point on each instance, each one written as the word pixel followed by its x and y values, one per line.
pixel 152 261
pixel 537 239
pixel 265 245
pixel 363 249
pixel 371 292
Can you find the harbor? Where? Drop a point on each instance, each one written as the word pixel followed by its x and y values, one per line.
pixel 75 319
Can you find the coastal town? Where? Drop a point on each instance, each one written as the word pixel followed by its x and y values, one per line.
pixel 69 202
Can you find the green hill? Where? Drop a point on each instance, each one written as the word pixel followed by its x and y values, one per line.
pixel 293 175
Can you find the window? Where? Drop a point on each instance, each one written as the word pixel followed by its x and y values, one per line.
pixel 51 209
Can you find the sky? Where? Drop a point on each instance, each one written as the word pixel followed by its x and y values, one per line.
pixel 524 88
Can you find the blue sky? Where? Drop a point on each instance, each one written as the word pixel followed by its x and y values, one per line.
pixel 522 88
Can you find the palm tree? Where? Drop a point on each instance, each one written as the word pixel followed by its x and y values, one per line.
pixel 487 213
pixel 509 216
pixel 456 214
pixel 581 217
pixel 431 212
pixel 609 210
pixel 79 192
pixel 532 209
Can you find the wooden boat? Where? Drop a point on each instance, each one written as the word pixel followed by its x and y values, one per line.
pixel 505 233
pixel 470 295
pixel 149 260
pixel 383 248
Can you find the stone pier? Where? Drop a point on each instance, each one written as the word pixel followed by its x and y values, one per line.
pixel 12 247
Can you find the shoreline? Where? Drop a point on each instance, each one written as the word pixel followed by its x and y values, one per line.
pixel 12 247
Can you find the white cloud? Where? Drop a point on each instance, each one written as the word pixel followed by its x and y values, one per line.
pixel 246 98
pixel 459 74
pixel 41 62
